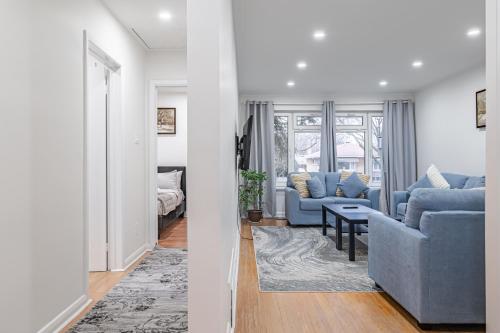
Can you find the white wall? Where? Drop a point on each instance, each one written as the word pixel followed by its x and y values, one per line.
pixel 212 188
pixel 492 167
pixel 166 65
pixel 172 148
pixel 50 130
pixel 446 127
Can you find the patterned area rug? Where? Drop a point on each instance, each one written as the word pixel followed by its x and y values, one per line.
pixel 303 260
pixel 151 299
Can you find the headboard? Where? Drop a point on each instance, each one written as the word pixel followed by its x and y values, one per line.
pixel 163 169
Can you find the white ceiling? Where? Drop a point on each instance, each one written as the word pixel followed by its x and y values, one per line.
pixel 367 41
pixel 141 18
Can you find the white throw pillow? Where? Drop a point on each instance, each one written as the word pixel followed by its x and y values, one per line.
pixel 179 178
pixel 167 180
pixel 436 178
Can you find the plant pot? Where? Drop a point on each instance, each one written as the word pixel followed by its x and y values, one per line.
pixel 254 215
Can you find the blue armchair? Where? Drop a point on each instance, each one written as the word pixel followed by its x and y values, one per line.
pixel 307 211
pixel 433 263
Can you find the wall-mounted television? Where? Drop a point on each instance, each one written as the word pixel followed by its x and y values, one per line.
pixel 244 145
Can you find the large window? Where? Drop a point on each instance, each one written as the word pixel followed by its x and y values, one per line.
pixel 298 139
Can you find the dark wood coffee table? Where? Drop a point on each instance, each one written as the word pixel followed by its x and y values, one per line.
pixel 352 216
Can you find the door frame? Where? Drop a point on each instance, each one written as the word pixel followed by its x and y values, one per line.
pixel 114 158
pixel 152 155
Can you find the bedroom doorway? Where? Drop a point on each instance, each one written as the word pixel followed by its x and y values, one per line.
pixel 168 172
pixel 102 156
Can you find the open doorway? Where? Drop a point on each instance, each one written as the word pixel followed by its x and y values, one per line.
pixel 168 163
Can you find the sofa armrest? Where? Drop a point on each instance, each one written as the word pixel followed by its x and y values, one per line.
pixel 292 199
pixel 373 194
pixel 456 263
pixel 397 198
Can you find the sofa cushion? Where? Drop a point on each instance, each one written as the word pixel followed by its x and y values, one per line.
pixel 315 204
pixel 346 174
pixel 422 182
pixel 299 182
pixel 316 188
pixel 436 178
pixel 332 180
pixel 422 200
pixel 455 180
pixel 353 186
pixel 474 182
pixel 401 209
pixel 320 175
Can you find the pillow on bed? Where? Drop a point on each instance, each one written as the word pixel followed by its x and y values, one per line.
pixel 168 180
pixel 179 178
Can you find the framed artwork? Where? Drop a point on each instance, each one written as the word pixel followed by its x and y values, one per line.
pixel 166 120
pixel 481 108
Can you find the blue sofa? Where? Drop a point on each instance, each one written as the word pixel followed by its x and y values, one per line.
pixel 307 211
pixel 433 262
pixel 456 181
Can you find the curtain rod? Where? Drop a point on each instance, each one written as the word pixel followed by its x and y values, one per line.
pixel 341 104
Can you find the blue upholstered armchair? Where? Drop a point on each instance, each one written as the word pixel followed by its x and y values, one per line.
pixel 307 211
pixel 433 263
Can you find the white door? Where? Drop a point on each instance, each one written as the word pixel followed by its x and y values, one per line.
pixel 97 164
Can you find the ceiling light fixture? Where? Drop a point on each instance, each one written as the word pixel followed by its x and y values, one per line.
pixel 383 83
pixel 301 65
pixel 291 83
pixel 473 32
pixel 319 35
pixel 417 64
pixel 165 16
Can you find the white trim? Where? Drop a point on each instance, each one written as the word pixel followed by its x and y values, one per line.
pixel 152 158
pixel 66 316
pixel 115 240
pixel 136 255
pixel 232 281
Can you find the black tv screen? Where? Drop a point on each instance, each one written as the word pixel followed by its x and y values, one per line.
pixel 245 144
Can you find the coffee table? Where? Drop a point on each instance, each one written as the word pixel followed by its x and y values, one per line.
pixel 352 215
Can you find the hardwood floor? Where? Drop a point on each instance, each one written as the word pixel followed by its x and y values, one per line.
pixel 314 312
pixel 100 283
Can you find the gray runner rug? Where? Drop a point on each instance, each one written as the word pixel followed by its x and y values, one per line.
pixel 301 259
pixel 152 298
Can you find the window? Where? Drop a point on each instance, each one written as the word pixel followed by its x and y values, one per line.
pixel 298 141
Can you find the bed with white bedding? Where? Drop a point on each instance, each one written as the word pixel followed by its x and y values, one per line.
pixel 171 202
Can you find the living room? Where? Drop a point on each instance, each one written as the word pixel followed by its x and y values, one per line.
pixel 359 109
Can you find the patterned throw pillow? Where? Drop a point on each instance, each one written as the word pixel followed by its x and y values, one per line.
pixel 436 178
pixel 346 174
pixel 300 183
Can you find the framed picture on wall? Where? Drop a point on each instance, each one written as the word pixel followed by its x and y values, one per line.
pixel 481 108
pixel 166 120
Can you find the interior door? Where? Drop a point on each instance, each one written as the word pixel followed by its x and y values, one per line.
pixel 97 116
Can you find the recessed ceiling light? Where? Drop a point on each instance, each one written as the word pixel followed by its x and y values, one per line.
pixel 301 65
pixel 291 83
pixel 473 32
pixel 417 64
pixel 319 35
pixel 165 16
pixel 383 83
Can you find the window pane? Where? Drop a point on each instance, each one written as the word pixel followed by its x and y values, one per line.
pixel 349 121
pixel 281 145
pixel 308 120
pixel 377 124
pixel 307 148
pixel 351 151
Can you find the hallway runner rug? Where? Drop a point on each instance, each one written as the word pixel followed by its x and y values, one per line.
pixel 301 259
pixel 152 298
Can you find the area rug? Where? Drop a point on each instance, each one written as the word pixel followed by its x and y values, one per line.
pixel 303 260
pixel 151 299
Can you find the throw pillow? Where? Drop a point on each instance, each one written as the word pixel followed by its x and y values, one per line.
pixel 167 180
pixel 436 178
pixel 422 182
pixel 346 174
pixel 299 182
pixel 475 182
pixel 316 188
pixel 353 186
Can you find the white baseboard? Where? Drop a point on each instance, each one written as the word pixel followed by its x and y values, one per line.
pixel 133 258
pixel 67 315
pixel 233 278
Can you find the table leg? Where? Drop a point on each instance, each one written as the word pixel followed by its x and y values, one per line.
pixel 323 219
pixel 352 241
pixel 338 232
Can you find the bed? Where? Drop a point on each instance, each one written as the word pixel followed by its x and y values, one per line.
pixel 171 203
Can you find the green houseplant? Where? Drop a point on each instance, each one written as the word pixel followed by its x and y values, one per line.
pixel 251 192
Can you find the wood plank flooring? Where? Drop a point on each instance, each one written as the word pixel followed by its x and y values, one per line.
pixel 100 283
pixel 346 312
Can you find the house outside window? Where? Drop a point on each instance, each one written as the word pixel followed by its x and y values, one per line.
pixel 298 143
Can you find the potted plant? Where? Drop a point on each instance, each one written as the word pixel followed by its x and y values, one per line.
pixel 251 192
